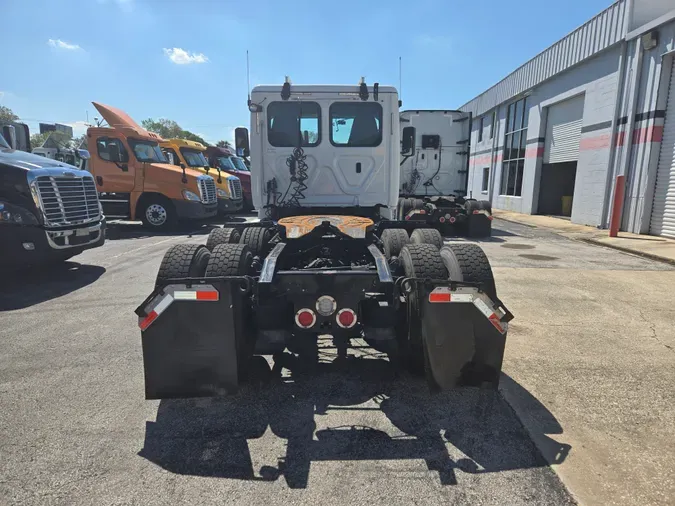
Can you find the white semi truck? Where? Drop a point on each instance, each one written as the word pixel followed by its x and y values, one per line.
pixel 434 170
pixel 326 258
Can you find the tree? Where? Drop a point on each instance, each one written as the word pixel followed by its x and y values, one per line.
pixel 224 144
pixel 169 129
pixel 6 114
pixel 37 140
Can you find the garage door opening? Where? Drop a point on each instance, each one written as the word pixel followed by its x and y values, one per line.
pixel 556 188
pixel 561 153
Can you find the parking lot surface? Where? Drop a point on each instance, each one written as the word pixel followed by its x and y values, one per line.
pixel 77 430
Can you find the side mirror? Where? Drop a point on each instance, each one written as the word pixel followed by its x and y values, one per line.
pixel 182 165
pixel 408 141
pixel 169 157
pixel 114 153
pixel 241 141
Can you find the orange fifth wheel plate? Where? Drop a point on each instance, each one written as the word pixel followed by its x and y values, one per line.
pixel 353 226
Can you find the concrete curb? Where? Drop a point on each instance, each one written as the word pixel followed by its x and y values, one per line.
pixel 651 256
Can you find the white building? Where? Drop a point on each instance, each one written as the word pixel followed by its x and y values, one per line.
pixel 597 104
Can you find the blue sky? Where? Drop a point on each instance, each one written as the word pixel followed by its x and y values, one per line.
pixel 186 61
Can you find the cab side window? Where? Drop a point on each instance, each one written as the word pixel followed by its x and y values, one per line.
pixel 102 144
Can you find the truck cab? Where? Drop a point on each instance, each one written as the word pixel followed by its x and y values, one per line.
pixel 135 181
pixel 225 160
pixel 182 152
pixel 49 210
pixel 319 148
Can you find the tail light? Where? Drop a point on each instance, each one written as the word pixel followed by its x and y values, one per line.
pixel 346 318
pixel 305 318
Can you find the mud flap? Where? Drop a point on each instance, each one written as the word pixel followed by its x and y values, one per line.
pixel 464 336
pixel 189 339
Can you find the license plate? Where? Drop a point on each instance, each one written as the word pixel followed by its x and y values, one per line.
pixel 81 232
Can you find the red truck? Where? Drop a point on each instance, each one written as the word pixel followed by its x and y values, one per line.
pixel 227 161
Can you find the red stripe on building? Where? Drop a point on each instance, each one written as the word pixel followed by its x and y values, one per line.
pixel 598 142
pixel 534 152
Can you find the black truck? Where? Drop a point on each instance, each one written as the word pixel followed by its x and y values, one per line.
pixel 49 210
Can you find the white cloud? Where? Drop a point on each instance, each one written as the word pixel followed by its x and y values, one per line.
pixel 59 44
pixel 182 57
pixel 428 40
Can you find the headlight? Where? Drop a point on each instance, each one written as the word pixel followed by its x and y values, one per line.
pixel 188 195
pixel 222 194
pixel 15 215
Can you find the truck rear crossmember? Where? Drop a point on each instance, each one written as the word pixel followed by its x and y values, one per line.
pixel 202 328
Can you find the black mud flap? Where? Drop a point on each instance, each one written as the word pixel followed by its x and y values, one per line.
pixel 464 336
pixel 188 334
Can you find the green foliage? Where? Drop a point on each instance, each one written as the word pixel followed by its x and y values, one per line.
pixel 169 129
pixel 36 140
pixel 6 114
pixel 224 144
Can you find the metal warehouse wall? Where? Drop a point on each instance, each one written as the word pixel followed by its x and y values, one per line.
pixel 622 120
pixel 604 30
pixel 597 80
pixel 644 109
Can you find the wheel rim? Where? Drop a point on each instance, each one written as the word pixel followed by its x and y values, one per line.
pixel 156 215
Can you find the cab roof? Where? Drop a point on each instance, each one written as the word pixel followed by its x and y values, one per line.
pixel 184 143
pixel 320 88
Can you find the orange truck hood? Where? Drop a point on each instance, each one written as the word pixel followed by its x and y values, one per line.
pixel 120 120
pixel 167 173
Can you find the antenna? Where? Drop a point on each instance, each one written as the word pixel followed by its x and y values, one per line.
pixel 248 79
pixel 400 83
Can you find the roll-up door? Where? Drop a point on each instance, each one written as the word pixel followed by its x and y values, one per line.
pixel 663 208
pixel 563 131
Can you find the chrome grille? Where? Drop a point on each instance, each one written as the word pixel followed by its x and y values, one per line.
pixel 207 190
pixel 235 188
pixel 67 200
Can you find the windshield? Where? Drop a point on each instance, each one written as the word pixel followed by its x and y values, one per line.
pixel 225 163
pixel 239 164
pixel 3 143
pixel 147 151
pixel 193 157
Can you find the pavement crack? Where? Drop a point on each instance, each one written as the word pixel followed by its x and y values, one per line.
pixel 652 327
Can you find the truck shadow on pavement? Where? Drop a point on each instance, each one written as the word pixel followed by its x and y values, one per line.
pixel 27 287
pixel 468 430
pixel 116 231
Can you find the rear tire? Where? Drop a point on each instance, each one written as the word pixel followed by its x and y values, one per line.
pixel 419 261
pixel 468 262
pixel 256 238
pixel 222 236
pixel 427 236
pixel 235 260
pixel 393 240
pixel 229 260
pixel 183 261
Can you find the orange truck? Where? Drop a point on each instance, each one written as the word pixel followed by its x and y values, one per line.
pixel 135 180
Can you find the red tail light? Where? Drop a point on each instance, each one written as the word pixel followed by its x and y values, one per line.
pixel 305 318
pixel 346 318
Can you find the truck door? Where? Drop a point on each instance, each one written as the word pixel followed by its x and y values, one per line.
pixel 111 177
pixel 439 165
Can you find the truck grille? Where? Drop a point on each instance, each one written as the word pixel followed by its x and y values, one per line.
pixel 68 200
pixel 235 188
pixel 207 190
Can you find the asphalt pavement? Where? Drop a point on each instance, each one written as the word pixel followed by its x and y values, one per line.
pixel 75 428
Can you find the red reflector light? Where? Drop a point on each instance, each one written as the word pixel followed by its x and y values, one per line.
pixel 145 323
pixel 452 219
pixel 440 297
pixel 476 211
pixel 407 218
pixel 346 318
pixel 305 318
pixel 207 295
pixel 441 219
